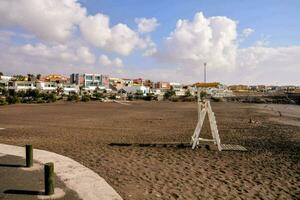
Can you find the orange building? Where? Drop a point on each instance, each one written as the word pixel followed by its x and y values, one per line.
pixel 207 85
pixel 55 78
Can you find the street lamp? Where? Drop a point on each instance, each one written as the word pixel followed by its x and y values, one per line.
pixel 205 72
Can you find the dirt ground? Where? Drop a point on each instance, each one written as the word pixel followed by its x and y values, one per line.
pixel 270 169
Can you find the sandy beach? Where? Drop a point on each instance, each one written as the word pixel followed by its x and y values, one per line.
pixel 270 169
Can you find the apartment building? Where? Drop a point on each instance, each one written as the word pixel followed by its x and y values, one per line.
pixel 90 81
pixel 21 85
pixel 46 86
pixel 162 85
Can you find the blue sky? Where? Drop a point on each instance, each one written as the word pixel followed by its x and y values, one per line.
pixel 277 19
pixel 251 42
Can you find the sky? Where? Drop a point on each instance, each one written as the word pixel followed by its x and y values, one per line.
pixel 242 42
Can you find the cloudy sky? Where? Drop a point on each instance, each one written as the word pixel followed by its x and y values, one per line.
pixel 249 42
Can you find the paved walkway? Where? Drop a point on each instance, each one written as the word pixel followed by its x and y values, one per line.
pixel 87 184
pixel 19 184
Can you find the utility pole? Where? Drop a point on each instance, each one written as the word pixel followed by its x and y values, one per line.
pixel 205 72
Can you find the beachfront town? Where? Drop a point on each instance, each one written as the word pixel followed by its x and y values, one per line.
pixel 124 88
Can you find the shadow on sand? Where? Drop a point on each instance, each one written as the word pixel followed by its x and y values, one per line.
pixel 24 192
pixel 11 165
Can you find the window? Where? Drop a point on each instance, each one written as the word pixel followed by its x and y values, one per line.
pixel 89 77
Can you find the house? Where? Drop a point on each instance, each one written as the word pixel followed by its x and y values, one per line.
pixel 55 78
pixel 192 89
pixel 137 89
pixel 77 79
pixel 156 91
pixel 128 82
pixel 116 83
pixel 4 81
pixel 162 85
pixel 138 81
pixel 239 88
pixel 70 88
pixel 220 92
pixel 176 86
pixel 180 92
pixel 90 82
pixel 148 83
pixel 21 85
pixel 46 86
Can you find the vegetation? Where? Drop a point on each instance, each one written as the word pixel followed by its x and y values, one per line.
pixel 150 97
pixel 203 94
pixel 168 94
pixel 2 101
pixel 85 98
pixel 29 96
pixel 130 97
pixel 73 97
pixel 188 93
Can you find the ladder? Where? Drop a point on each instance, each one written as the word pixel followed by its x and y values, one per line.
pixel 204 108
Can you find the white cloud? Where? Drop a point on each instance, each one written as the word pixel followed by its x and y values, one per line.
pixel 146 25
pixel 211 40
pixel 41 58
pixel 148 45
pixel 57 20
pixel 247 32
pixel 119 38
pixel 52 20
pixel 123 39
pixel 95 30
pixel 214 40
pixel 85 55
pixel 106 61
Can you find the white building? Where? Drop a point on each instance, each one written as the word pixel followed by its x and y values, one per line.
pixel 94 81
pixel 176 86
pixel 180 92
pixel 70 88
pixel 22 85
pixel 46 86
pixel 137 88
pixel 156 91
pixel 219 92
pixel 5 78
pixel 4 81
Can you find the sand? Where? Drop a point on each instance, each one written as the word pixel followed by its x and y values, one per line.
pixel 82 131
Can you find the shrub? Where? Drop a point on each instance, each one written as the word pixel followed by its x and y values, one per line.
pixel 40 100
pixel 150 97
pixel 2 102
pixel 73 97
pixel 98 95
pixel 203 94
pixel 188 99
pixel 12 99
pixel 188 93
pixel 85 98
pixel 3 91
pixel 169 94
pixel 216 99
pixel 33 93
pixel 129 97
pixel 49 97
pixel 112 97
pixel 174 98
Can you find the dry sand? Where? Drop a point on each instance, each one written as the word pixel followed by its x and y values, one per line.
pixel 82 131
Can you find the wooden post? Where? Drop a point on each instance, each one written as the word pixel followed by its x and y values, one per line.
pixel 29 155
pixel 49 178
